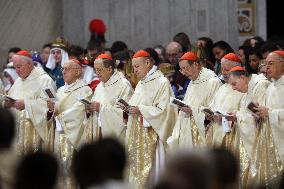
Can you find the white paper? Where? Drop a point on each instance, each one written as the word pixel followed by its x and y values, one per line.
pixel 58 125
pixel 146 123
pixel 99 119
pixel 225 125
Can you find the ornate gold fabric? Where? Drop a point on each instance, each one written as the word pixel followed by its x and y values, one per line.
pixel 29 140
pixel 31 122
pixel 248 127
pixel 151 96
pixel 266 166
pixel 65 152
pixel 141 149
pixel 71 116
pixel 196 138
pixel 226 100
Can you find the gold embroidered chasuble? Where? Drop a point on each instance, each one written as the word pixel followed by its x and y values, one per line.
pixel 248 131
pixel 31 122
pixel 147 133
pixel 268 154
pixel 225 100
pixel 110 117
pixel 190 131
pixel 70 126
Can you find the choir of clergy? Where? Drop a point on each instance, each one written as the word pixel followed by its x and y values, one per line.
pixel 241 112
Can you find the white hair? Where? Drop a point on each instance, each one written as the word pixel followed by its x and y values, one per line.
pixel 79 67
pixel 25 58
pixel 280 58
pixel 232 63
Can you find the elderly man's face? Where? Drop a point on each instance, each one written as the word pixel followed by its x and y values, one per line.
pixel 103 73
pixel 56 53
pixel 189 70
pixel 225 67
pixel 71 72
pixel 141 67
pixel 239 83
pixel 23 67
pixel 275 67
pixel 173 55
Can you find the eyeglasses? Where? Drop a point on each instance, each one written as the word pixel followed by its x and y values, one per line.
pixel 67 69
pixel 186 67
pixel 98 70
pixel 183 69
pixel 270 63
pixel 172 55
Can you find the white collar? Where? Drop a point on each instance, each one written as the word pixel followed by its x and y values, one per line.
pixel 153 69
pixel 68 86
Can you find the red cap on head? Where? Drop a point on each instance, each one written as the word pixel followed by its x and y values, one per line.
pixel 280 53
pixel 237 68
pixel 75 60
pixel 232 57
pixel 189 56
pixel 141 53
pixel 104 56
pixel 24 53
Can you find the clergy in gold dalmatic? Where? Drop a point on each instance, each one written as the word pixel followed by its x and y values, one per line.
pixel 189 130
pixel 107 117
pixel 268 157
pixel 226 100
pixel 70 119
pixel 150 122
pixel 30 105
pixel 255 150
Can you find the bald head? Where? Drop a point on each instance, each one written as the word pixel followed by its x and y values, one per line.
pixel 173 52
pixel 173 46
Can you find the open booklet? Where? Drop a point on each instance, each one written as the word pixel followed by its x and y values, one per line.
pixel 224 115
pixel 122 104
pixel 84 101
pixel 210 112
pixel 49 93
pixel 177 102
pixel 7 98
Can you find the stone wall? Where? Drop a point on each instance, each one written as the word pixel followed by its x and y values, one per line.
pixel 28 24
pixel 146 23
pixel 140 23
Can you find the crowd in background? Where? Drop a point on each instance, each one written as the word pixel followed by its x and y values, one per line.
pixel 104 163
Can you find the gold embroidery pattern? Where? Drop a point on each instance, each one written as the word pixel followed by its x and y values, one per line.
pixel 141 149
